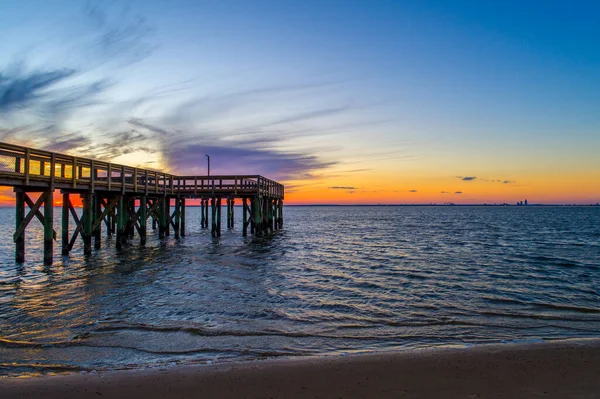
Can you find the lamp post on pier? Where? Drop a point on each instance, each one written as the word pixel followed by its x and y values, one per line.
pixel 207 156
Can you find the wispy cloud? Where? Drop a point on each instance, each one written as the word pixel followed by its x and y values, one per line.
pixel 342 188
pixel 223 124
pixel 471 178
pixel 458 192
pixel 45 98
pixel 412 191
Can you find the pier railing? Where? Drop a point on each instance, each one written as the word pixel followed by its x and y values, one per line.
pixel 27 167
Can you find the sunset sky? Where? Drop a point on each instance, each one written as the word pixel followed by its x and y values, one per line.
pixel 343 101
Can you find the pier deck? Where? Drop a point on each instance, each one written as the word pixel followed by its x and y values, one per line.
pixel 123 198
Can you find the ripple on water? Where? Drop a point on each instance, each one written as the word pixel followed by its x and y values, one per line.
pixel 336 280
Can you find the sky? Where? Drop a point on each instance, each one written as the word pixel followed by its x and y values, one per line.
pixel 345 102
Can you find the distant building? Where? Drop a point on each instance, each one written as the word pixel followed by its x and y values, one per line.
pixel 525 202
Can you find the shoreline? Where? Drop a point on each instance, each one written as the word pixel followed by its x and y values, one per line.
pixel 553 369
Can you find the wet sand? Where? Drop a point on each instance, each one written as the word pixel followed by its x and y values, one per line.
pixel 568 369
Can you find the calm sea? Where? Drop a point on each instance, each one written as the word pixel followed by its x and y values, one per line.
pixel 336 280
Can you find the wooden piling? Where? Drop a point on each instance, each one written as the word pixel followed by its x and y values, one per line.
pixel 213 206
pixel 162 218
pixel 143 219
pixel 202 221
pixel 97 221
pixel 219 217
pixel 176 217
pixel 206 213
pixel 66 201
pixel 228 202
pixel 281 214
pixel 244 216
pixel 232 213
pixel 130 214
pixel 121 219
pixel 257 217
pixel 252 216
pixel 182 216
pixel 19 220
pixel 86 199
pixel 48 227
pixel 168 216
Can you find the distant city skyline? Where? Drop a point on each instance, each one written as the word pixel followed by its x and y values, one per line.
pixel 345 102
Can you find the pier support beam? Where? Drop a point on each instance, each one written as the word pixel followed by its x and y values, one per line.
pixel 213 206
pixel 19 221
pixel 97 217
pixel 176 217
pixel 230 205
pixel 121 221
pixel 244 216
pixel 143 219
pixel 168 216
pixel 257 217
pixel 280 207
pixel 182 216
pixel 205 214
pixel 86 199
pixel 162 219
pixel 219 206
pixel 48 227
pixel 66 203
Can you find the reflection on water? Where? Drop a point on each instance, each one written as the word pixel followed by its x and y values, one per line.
pixel 337 279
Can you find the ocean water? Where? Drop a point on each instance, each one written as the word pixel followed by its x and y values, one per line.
pixel 336 280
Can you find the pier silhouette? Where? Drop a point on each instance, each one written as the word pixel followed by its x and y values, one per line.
pixel 124 199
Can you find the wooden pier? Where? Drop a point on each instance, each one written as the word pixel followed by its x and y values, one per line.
pixel 124 199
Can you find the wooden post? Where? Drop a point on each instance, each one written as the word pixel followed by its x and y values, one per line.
pixel 244 216
pixel 130 224
pixel 182 216
pixel 177 215
pixel 86 199
pixel 274 213
pixel 143 218
pixel 109 219
pixel 218 217
pixel 65 223
pixel 228 202
pixel 206 213
pixel 213 206
pixel 252 216
pixel 48 227
pixel 202 221
pixel 232 212
pixel 97 214
pixel 265 215
pixel 162 219
pixel 113 221
pixel 167 215
pixel 121 219
pixel 20 218
pixel 257 216
pixel 281 214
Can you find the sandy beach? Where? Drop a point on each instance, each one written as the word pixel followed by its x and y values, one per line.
pixel 567 369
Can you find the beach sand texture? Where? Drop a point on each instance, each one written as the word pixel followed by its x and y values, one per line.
pixel 567 369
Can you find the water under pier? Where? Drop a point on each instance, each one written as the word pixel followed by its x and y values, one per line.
pixel 125 199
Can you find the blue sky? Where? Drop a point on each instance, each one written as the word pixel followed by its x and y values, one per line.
pixel 307 91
